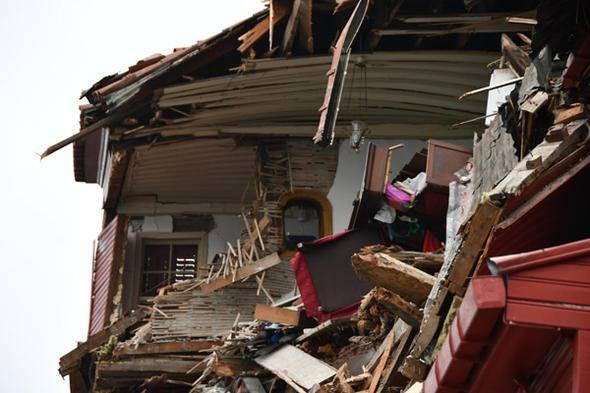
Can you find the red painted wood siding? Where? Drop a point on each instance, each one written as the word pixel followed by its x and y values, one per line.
pixel 108 259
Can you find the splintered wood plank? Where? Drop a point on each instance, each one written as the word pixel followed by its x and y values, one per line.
pixel 568 114
pixel 550 152
pixel 69 361
pixel 485 217
pixel 389 340
pixel 301 368
pixel 403 333
pixel 515 56
pixel 305 29
pixel 291 29
pixel 407 311
pixel 250 38
pixel 260 227
pixel 243 272
pixel 323 327
pixel 282 315
pixel 123 373
pixel 167 347
pixel 384 271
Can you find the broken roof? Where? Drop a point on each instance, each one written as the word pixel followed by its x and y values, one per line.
pixel 124 101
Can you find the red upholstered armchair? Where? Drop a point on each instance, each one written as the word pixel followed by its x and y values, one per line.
pixel 328 284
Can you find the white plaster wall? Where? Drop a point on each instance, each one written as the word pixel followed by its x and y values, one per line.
pixel 228 228
pixel 349 173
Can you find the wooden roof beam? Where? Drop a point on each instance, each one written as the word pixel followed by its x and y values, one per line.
pixel 305 26
pixel 291 29
pixel 383 18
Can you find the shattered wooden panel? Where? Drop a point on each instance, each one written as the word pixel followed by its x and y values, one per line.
pixel 193 314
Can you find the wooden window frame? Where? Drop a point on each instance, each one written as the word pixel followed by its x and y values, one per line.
pixel 156 238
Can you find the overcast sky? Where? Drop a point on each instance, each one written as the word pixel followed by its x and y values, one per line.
pixel 51 51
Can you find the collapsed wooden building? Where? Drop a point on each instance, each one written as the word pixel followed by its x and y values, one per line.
pixel 246 248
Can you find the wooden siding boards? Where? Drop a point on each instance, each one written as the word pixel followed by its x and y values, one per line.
pixel 193 314
pixel 108 259
pixel 219 170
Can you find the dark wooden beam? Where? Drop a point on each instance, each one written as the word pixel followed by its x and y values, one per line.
pixel 291 29
pixel 384 12
pixel 70 361
pixel 165 348
pixel 305 26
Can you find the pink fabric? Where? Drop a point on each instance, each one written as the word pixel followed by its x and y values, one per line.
pixel 398 199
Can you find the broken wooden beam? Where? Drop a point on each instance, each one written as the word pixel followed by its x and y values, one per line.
pixel 165 348
pixel 426 261
pixel 291 29
pixel 568 114
pixel 385 271
pixel 69 362
pixel 516 57
pixel 128 372
pixel 325 327
pixel 280 315
pixel 250 38
pixel 405 310
pixel 244 272
pixel 403 334
pixel 305 26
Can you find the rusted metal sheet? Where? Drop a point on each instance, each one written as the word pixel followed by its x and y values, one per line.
pixel 108 259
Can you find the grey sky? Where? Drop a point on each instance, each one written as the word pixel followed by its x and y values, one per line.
pixel 50 51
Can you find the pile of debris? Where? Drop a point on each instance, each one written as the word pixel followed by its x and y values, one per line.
pixel 373 305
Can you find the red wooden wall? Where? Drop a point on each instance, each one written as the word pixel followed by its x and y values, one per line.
pixel 108 259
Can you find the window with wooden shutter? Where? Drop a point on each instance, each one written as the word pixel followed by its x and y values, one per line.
pixel 167 262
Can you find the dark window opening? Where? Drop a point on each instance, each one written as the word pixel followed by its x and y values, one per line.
pixel 165 264
pixel 301 220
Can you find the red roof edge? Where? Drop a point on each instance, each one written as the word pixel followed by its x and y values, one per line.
pixel 464 347
pixel 537 258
